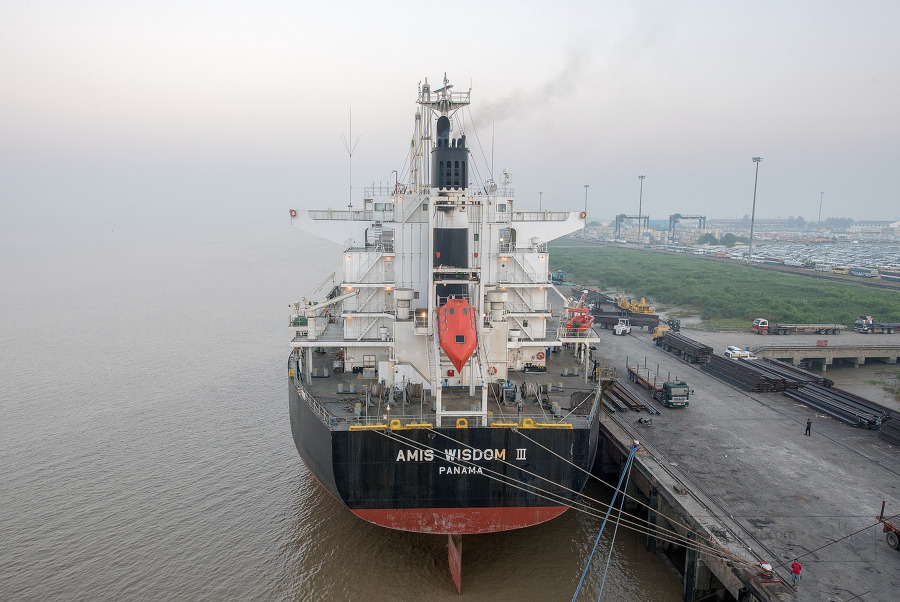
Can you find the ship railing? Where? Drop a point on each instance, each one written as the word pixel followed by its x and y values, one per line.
pixel 378 308
pixel 524 308
pixel 380 190
pixel 426 420
pixel 375 255
pixel 339 214
pixel 540 216
pixel 443 300
pixel 318 409
pixel 509 247
pixel 565 333
pixel 527 270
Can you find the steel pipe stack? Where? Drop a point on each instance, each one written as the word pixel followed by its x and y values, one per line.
pixel 687 349
pixel 890 432
pixel 804 376
pixel 841 405
pixel 622 396
pixel 744 375
pixel 790 380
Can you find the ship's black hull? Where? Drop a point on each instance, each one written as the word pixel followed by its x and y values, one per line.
pixel 447 480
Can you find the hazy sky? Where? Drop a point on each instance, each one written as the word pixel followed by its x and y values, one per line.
pixel 225 111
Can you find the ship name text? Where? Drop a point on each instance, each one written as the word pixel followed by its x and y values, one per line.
pixel 455 455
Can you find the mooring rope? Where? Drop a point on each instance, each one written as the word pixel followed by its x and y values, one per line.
pixel 618 518
pixel 625 471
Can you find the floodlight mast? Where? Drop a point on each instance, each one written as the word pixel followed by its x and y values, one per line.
pixel 753 210
pixel 640 201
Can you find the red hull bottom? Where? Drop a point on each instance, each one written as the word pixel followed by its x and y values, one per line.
pixel 460 521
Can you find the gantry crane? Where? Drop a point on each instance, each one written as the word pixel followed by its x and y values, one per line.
pixel 677 217
pixel 644 220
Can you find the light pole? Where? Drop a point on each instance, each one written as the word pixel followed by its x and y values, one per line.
pixel 540 199
pixel 753 210
pixel 821 196
pixel 584 230
pixel 640 202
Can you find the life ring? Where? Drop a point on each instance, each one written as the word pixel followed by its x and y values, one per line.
pixel 540 355
pixel 293 213
pixel 492 370
pixel 583 214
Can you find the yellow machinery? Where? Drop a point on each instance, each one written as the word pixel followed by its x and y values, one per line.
pixel 641 307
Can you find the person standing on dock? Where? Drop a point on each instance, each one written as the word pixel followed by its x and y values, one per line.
pixel 795 572
pixel 808 427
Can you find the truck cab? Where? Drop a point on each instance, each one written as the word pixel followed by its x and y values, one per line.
pixel 761 325
pixel 676 394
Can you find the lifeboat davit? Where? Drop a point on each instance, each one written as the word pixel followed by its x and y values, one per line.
pixel 456 327
pixel 580 320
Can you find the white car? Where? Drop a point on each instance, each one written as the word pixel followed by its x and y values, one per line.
pixel 733 351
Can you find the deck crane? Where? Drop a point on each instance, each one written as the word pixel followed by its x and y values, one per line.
pixel 306 310
pixel 677 217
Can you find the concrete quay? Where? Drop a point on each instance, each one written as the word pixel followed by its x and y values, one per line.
pixel 819 357
pixel 737 468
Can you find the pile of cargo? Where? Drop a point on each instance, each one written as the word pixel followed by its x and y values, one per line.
pixel 687 349
pixel 746 375
pixel 843 406
pixel 765 374
pixel 790 372
pixel 890 431
pixel 639 313
pixel 622 399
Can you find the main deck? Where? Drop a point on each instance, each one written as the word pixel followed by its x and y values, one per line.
pixel 562 393
pixel 559 391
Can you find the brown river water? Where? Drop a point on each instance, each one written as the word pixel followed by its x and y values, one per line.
pixel 146 452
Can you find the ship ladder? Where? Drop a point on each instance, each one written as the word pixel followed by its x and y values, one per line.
pixel 434 364
pixel 482 361
pixel 626 472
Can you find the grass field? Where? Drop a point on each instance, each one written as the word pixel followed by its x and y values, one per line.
pixel 722 293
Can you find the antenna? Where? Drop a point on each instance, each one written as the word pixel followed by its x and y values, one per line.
pixel 350 150
pixel 492 150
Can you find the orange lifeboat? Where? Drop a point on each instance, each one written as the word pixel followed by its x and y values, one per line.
pixel 580 320
pixel 456 327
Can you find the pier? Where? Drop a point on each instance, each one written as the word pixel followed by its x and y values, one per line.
pixel 735 469
pixel 824 353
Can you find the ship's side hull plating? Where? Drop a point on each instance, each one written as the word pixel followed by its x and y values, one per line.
pixel 447 480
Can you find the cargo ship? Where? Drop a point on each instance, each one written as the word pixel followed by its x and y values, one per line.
pixel 436 381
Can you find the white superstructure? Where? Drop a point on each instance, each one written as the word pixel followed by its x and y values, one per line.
pixel 412 246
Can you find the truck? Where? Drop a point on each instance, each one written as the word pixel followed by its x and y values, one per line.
pixel 687 349
pixel 671 393
pixel 609 319
pixel 558 277
pixel 762 326
pixel 866 325
pixel 622 328
pixel 659 331
pixel 892 530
